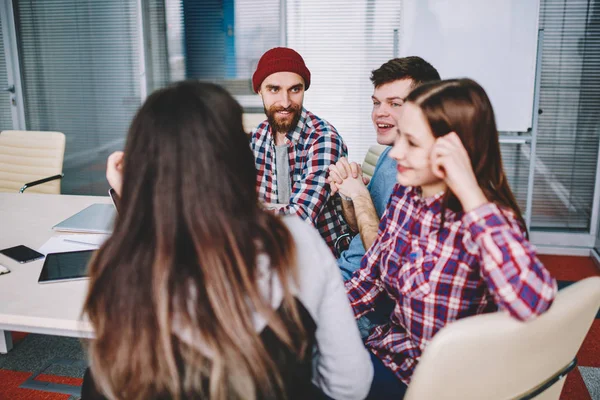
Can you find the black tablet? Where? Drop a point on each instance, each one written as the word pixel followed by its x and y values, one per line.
pixel 62 267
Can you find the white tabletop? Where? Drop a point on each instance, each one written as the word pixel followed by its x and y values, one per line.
pixel 25 305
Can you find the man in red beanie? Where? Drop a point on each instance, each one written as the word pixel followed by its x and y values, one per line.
pixel 293 148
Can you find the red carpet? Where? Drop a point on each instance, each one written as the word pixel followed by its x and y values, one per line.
pixel 571 269
pixel 564 268
pixel 10 381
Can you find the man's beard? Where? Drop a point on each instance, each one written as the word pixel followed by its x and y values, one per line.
pixel 283 125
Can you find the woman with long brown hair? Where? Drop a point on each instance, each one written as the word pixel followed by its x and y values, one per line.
pixel 199 293
pixel 453 242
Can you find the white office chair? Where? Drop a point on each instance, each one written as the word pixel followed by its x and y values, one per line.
pixel 371 158
pixel 495 357
pixel 30 158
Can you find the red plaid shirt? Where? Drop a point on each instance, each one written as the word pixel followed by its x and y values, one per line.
pixel 313 145
pixel 480 261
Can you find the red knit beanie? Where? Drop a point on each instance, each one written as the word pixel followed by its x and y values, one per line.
pixel 280 59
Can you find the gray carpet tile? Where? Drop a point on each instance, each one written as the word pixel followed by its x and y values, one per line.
pixel 64 370
pixel 591 377
pixel 36 351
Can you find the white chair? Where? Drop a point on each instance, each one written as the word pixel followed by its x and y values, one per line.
pixel 371 158
pixel 495 357
pixel 30 158
pixel 252 120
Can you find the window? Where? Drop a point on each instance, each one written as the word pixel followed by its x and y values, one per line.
pixel 80 66
pixel 569 127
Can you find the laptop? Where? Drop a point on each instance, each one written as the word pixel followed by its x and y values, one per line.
pixel 97 218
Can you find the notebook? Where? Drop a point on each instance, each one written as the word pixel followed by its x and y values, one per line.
pixel 97 218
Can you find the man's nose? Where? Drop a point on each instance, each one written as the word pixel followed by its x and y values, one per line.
pixel 285 100
pixel 382 111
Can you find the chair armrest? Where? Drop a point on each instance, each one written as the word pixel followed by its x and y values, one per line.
pixel 40 181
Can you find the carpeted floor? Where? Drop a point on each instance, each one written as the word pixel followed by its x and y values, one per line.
pixel 32 352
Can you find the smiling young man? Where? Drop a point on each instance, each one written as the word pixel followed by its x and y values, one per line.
pixel 364 205
pixel 294 147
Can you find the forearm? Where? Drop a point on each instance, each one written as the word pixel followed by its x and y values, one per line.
pixel 349 215
pixel 366 218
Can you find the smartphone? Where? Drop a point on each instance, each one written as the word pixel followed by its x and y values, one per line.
pixel 115 198
pixel 22 254
pixel 3 270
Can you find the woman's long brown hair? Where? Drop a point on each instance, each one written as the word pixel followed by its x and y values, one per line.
pixel 462 106
pixel 173 292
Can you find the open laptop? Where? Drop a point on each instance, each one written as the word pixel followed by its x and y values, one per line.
pixel 97 218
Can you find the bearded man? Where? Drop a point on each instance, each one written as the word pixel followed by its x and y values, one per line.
pixel 293 148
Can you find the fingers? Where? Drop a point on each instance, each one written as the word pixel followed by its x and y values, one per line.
pixel 335 175
pixel 343 167
pixel 114 170
pixel 333 188
pixel 343 170
pixel 438 166
pixel 354 168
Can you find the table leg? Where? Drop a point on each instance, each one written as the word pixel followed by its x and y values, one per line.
pixel 6 343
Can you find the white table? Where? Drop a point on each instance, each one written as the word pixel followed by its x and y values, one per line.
pixel 25 305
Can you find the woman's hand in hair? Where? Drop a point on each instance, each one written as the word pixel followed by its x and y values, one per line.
pixel 114 171
pixel 450 162
pixel 347 179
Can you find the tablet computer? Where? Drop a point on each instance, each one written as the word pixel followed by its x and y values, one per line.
pixel 63 267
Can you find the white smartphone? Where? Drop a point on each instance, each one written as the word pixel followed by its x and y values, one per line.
pixel 4 270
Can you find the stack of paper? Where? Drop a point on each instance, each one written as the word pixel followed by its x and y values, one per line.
pixel 66 243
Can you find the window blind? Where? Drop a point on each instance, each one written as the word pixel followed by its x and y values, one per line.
pixel 5 114
pixel 80 63
pixel 342 42
pixel 569 127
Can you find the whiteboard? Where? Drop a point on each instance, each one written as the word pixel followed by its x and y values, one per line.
pixel 493 42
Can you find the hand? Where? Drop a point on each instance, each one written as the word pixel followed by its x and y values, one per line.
pixel 451 162
pixel 114 171
pixel 347 178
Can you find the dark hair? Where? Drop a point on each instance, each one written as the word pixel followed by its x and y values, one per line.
pixel 174 291
pixel 414 68
pixel 462 106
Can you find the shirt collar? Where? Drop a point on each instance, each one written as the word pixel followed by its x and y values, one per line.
pixel 432 203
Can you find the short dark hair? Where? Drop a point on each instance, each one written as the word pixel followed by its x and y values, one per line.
pixel 414 68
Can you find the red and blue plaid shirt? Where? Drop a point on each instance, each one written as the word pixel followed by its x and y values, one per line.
pixel 312 146
pixel 480 261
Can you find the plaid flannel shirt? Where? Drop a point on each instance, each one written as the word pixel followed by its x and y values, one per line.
pixel 313 145
pixel 480 261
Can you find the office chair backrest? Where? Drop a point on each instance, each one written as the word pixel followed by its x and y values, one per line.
pixel 494 356
pixel 27 156
pixel 371 158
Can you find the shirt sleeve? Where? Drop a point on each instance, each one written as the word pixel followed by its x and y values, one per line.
pixel 343 365
pixel 342 368
pixel 311 192
pixel 514 275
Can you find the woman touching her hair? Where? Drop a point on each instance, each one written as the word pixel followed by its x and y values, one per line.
pixel 453 242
